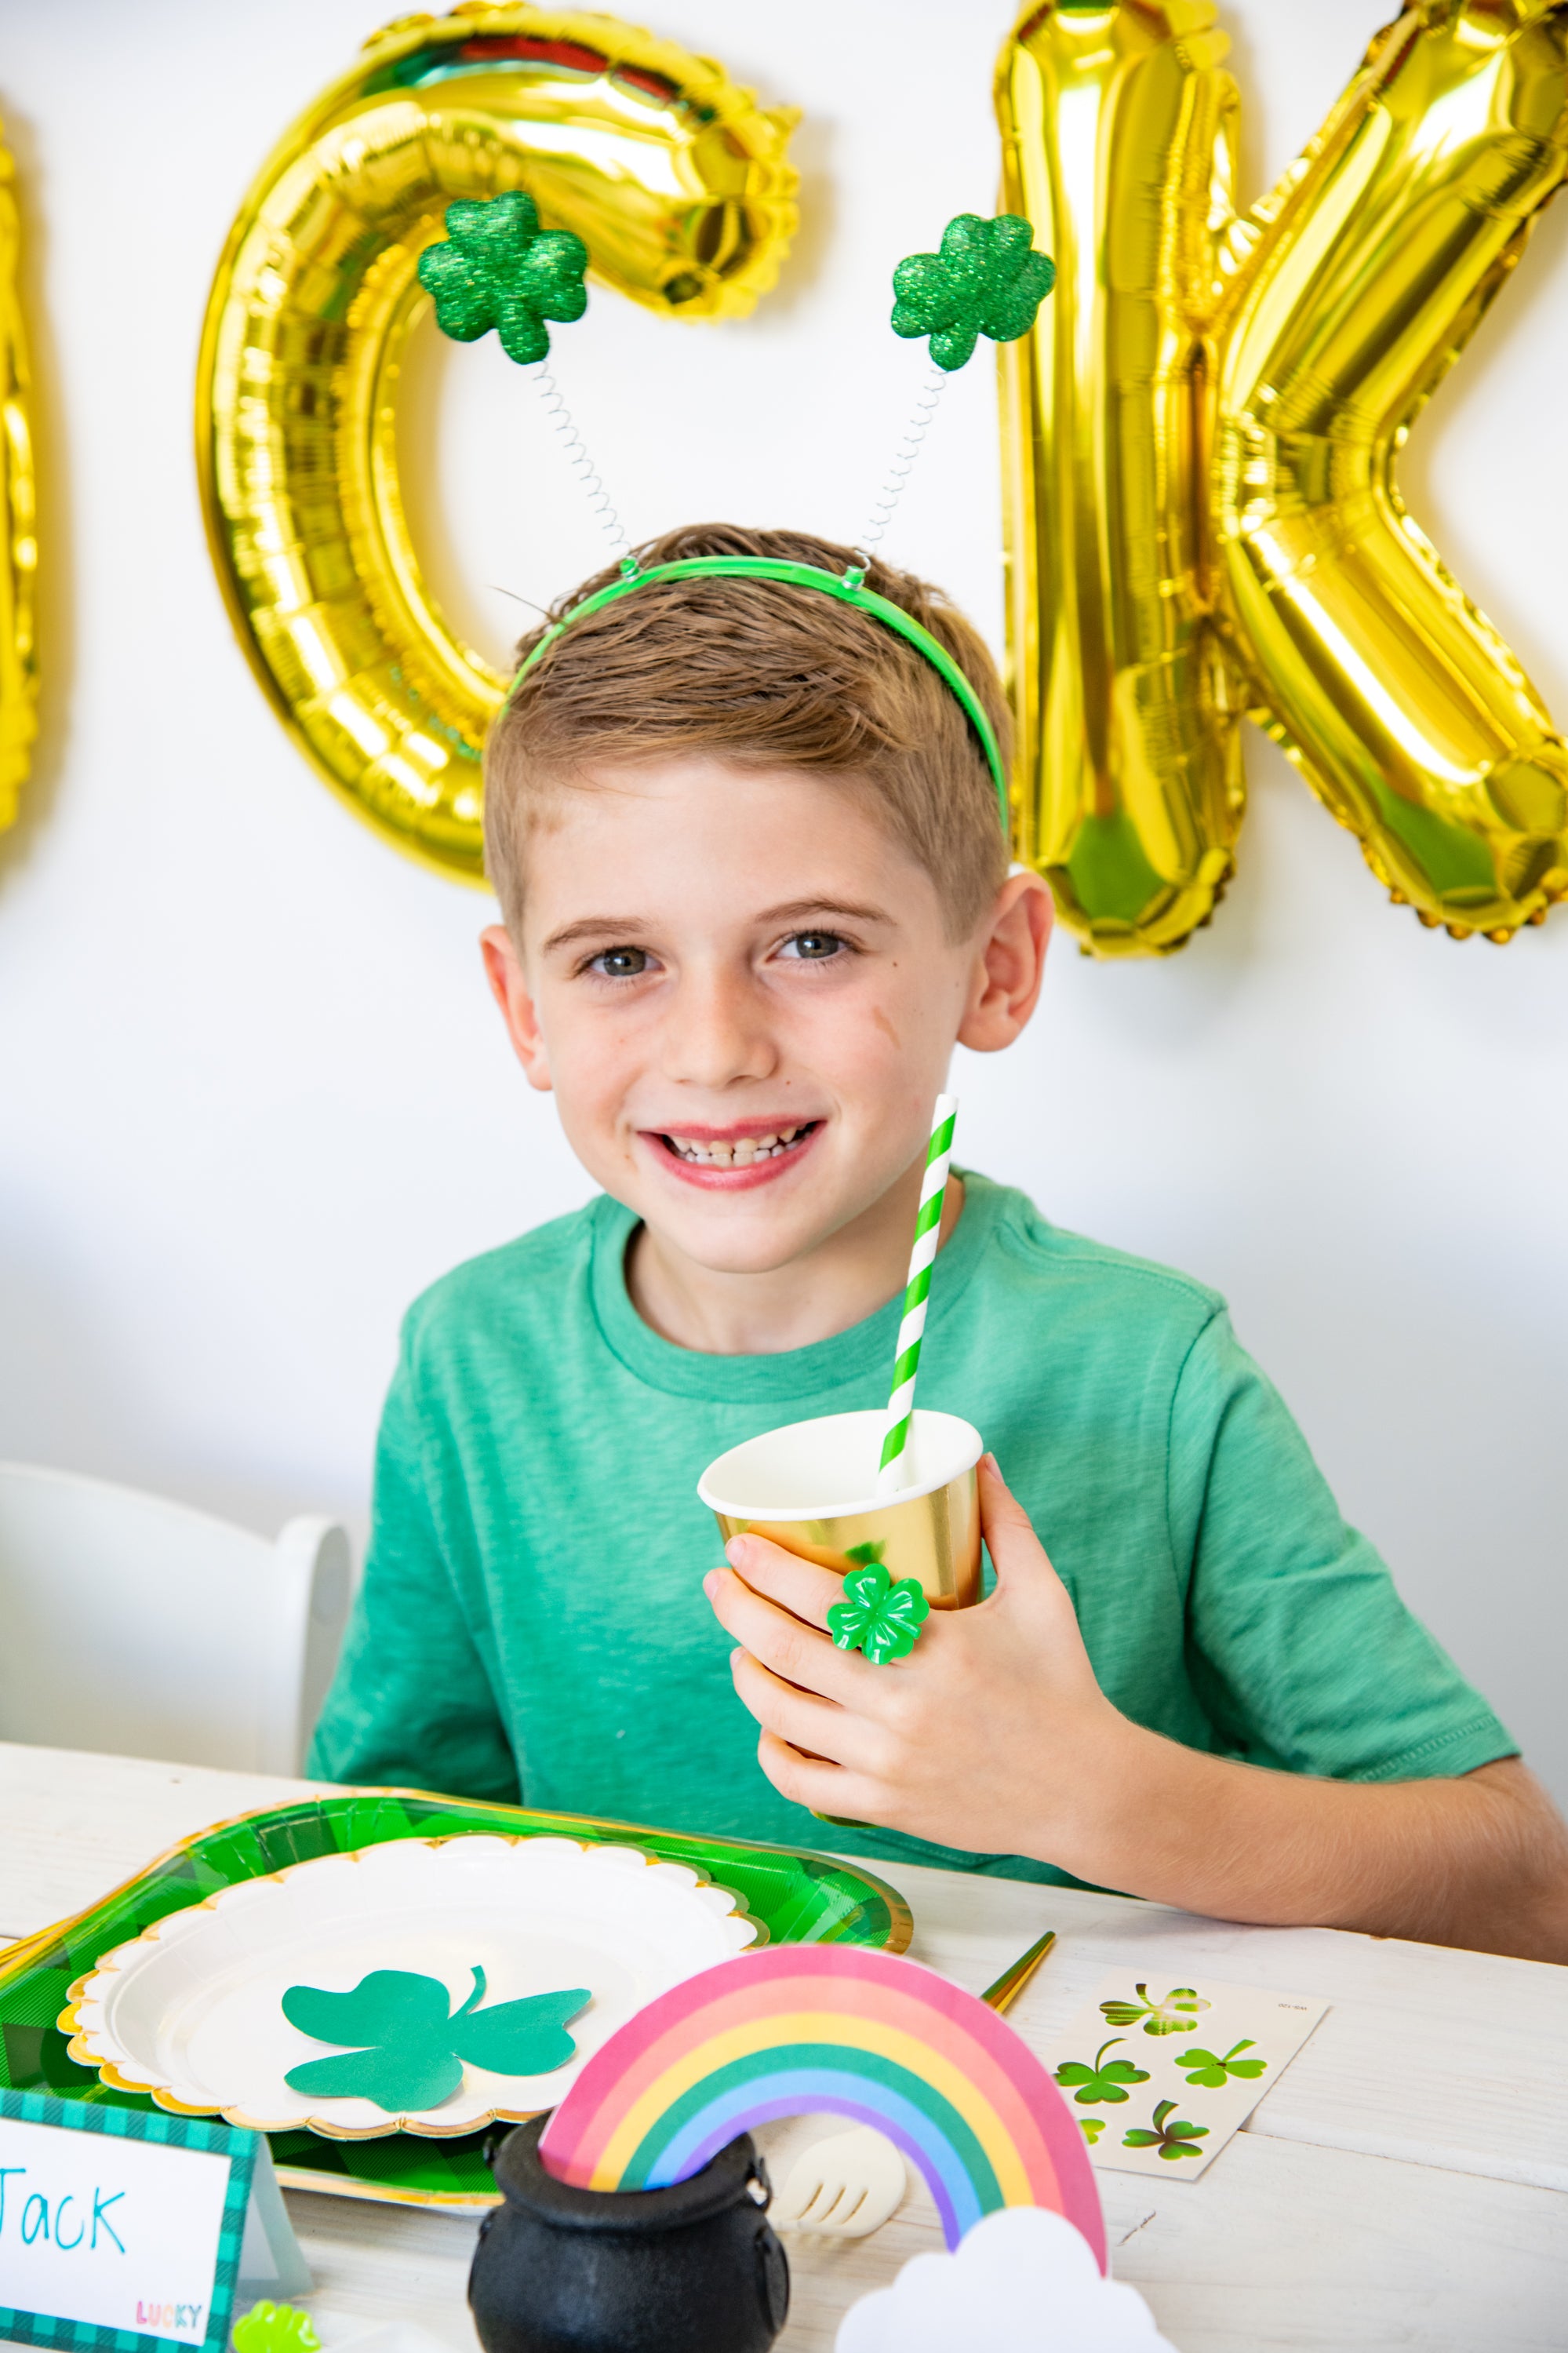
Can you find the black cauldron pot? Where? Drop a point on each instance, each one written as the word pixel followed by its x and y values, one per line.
pixel 692 2269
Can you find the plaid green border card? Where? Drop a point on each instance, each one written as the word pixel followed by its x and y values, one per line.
pixel 120 2229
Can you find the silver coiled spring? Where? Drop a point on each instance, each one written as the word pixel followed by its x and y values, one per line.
pixel 600 504
pixel 903 465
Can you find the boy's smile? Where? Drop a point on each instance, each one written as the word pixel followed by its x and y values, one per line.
pixel 733 1159
pixel 740 986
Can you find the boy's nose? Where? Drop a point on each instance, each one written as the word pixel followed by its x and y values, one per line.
pixel 716 1032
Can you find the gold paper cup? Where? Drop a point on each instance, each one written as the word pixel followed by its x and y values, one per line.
pixel 811 1487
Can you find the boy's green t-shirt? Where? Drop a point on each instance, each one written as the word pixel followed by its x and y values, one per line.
pixel 532 1627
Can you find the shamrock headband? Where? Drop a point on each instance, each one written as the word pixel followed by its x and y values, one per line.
pixel 848 586
pixel 497 268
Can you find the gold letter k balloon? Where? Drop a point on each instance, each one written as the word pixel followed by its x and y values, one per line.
pixel 1200 435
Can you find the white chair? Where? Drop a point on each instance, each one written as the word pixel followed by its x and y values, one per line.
pixel 135 1627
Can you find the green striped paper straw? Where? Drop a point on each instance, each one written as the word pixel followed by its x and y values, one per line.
pixel 894 1471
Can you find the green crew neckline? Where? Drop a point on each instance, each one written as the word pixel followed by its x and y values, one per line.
pixel 845 1359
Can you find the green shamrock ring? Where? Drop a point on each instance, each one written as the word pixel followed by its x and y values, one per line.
pixel 497 268
pixel 987 280
pixel 877 1616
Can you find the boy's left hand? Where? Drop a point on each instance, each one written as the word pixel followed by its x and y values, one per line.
pixel 987 1736
pixel 992 1735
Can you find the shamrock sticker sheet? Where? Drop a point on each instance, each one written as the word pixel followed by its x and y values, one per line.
pixel 1158 2075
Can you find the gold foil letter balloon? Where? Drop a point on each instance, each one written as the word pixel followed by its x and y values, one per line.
pixel 18 525
pixel 676 182
pixel 1116 124
pixel 1404 709
pixel 1202 511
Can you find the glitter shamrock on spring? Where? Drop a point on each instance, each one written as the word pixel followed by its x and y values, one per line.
pixel 877 1616
pixel 499 268
pixel 987 280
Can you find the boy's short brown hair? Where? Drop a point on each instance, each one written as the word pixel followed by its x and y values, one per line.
pixel 760 674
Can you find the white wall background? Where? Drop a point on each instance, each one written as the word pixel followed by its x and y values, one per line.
pixel 252 1093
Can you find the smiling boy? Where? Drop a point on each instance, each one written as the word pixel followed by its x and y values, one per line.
pixel 756 890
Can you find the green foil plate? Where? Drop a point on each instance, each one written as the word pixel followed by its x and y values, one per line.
pixel 802 1899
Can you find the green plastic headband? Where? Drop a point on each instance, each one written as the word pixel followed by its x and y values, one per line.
pixel 848 590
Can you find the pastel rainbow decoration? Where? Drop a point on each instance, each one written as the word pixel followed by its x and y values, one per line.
pixel 798 2029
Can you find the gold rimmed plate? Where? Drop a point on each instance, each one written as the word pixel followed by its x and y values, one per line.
pixel 793 1896
pixel 192 2011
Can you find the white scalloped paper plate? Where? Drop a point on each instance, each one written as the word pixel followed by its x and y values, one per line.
pixel 192 2011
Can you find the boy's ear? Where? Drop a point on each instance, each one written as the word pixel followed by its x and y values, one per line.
pixel 508 986
pixel 1009 965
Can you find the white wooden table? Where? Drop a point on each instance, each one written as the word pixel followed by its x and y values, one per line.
pixel 1403 2185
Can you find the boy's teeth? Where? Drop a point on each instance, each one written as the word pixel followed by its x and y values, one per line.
pixel 741 1153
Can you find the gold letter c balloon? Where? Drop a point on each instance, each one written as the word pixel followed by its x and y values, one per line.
pixel 1202 431
pixel 676 183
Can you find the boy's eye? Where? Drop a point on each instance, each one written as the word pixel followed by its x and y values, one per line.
pixel 812 948
pixel 619 964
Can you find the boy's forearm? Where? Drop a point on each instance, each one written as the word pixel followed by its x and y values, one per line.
pixel 1480 1862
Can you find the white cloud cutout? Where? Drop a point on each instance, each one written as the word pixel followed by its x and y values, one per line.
pixel 1022 2281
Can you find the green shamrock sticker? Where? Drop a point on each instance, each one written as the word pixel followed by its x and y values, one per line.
pixel 409 2051
pixel 1101 2083
pixel 987 280
pixel 275 2328
pixel 1171 2140
pixel 1177 2014
pixel 1091 2127
pixel 497 268
pixel 1212 2073
pixel 878 1617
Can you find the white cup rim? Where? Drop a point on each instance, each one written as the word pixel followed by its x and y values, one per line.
pixel 943 1445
